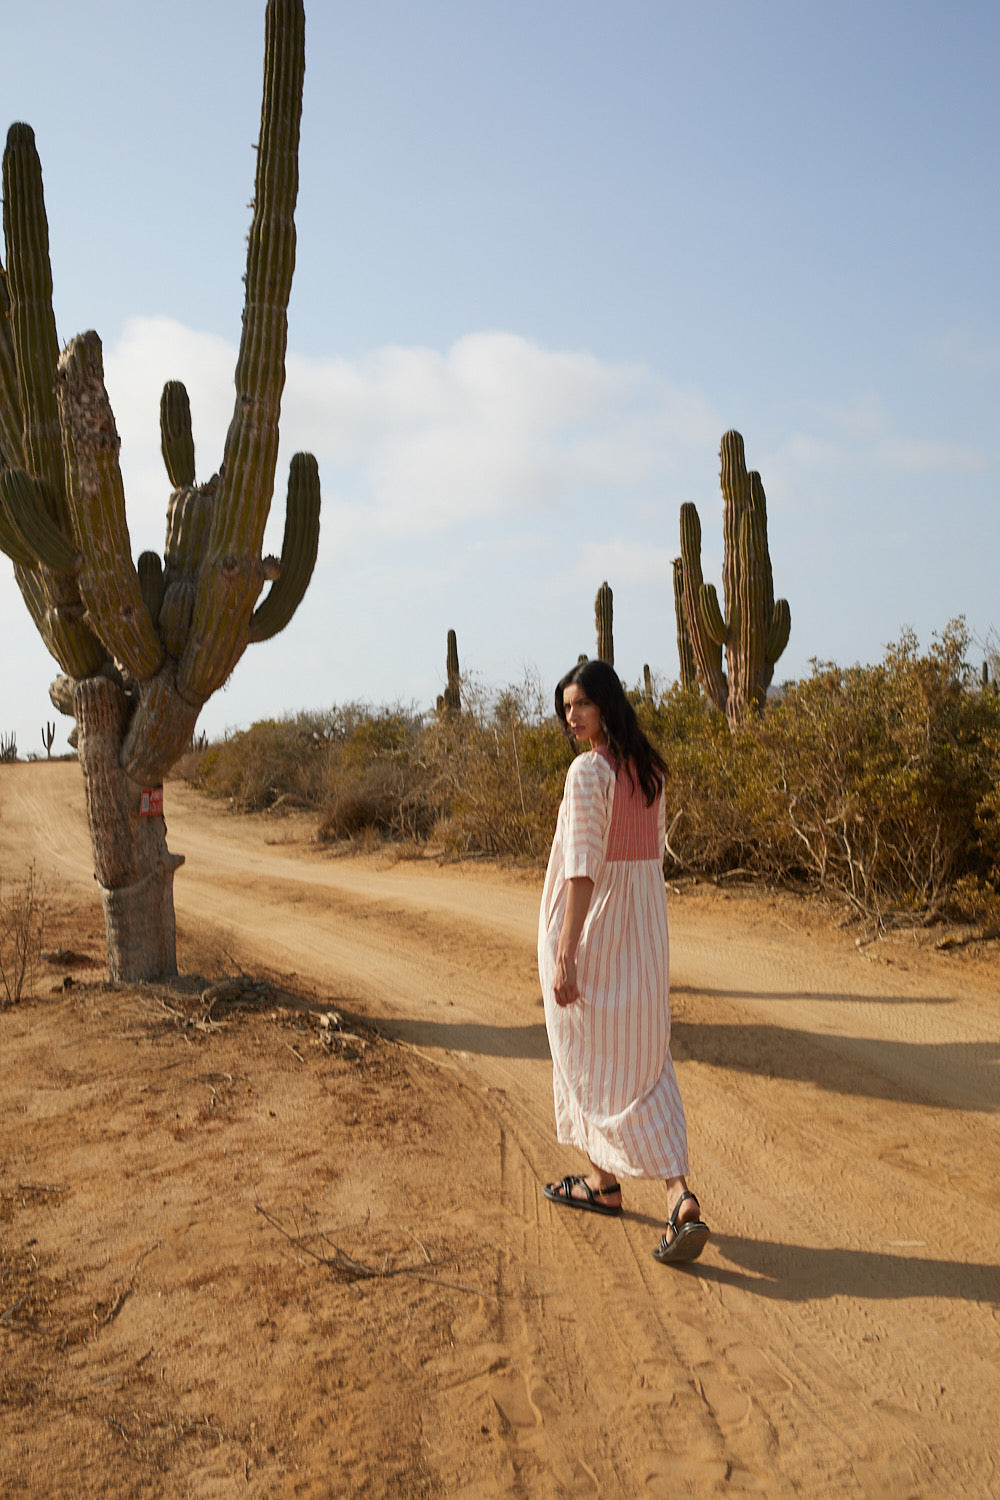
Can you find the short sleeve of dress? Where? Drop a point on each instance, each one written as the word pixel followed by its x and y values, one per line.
pixel 587 801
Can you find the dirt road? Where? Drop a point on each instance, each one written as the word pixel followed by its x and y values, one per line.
pixel 840 1335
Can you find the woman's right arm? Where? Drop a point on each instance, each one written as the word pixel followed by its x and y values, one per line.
pixel 578 896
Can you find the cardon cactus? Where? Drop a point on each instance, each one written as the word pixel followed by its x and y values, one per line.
pixel 604 617
pixel 451 702
pixel 142 647
pixel 754 632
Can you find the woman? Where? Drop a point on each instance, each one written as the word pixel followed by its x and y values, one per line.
pixel 603 958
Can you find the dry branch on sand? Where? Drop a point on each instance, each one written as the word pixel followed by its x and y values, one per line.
pixel 346 1266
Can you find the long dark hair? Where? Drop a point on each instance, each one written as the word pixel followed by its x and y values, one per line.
pixel 627 745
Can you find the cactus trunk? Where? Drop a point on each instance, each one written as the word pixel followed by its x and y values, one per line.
pixel 604 617
pixel 451 702
pixel 132 865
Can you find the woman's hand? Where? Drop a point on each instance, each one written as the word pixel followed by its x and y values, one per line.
pixel 565 988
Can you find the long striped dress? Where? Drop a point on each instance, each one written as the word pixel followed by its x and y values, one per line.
pixel 616 1094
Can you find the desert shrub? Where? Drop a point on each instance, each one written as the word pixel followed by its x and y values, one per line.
pixel 275 760
pixel 499 769
pixel 8 748
pixel 375 778
pixel 715 781
pixel 883 773
pixel 22 921
pixel 876 783
pixel 880 784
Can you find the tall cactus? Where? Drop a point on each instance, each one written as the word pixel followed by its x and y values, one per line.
pixel 604 617
pixel 451 701
pixel 142 647
pixel 755 630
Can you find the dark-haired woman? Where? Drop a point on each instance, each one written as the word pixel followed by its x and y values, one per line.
pixel 603 958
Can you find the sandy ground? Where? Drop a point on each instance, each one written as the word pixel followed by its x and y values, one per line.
pixel 249 1251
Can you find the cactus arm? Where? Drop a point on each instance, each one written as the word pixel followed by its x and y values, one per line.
pixel 52 596
pixel 758 507
pixel 32 322
pixel 150 571
pixel 778 633
pixel 710 615
pixel 299 547
pixel 604 619
pixel 685 653
pixel 28 507
pixel 176 438
pixel 707 652
pixel 736 500
pixel 753 624
pixel 11 540
pixel 231 575
pixel 10 401
pixel 189 516
pixel 109 583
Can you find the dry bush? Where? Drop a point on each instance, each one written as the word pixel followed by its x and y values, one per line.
pixel 878 784
pixel 22 922
pixel 498 769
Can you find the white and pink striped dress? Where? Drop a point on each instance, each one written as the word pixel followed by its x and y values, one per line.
pixel 616 1094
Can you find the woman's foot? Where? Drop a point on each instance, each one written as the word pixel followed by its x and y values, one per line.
pixel 596 1193
pixel 686 1234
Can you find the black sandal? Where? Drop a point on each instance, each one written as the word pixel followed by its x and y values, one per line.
pixel 689 1239
pixel 562 1192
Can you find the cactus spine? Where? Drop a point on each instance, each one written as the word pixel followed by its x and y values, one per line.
pixel 604 616
pixel 755 629
pixel 142 648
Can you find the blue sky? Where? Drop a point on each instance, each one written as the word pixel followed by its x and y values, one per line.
pixel 548 253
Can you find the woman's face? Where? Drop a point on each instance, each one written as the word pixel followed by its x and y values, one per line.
pixel 582 716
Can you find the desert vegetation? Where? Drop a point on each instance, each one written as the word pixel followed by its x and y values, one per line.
pixel 22 924
pixel 878 785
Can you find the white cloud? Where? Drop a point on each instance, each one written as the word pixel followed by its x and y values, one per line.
pixel 411 441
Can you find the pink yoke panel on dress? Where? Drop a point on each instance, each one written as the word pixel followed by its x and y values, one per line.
pixel 634 832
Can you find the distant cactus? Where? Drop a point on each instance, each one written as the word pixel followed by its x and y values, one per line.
pixel 604 615
pixel 451 701
pixel 48 739
pixel 142 648
pixel 755 629
pixel 685 654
